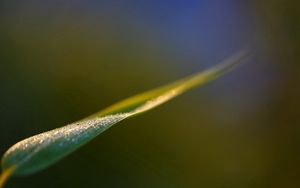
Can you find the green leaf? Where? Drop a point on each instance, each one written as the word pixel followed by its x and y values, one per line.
pixel 40 151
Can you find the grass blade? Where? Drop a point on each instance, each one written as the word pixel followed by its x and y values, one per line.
pixel 40 151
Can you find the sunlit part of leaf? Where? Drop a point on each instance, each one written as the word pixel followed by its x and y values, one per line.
pixel 176 87
pixel 5 175
pixel 40 151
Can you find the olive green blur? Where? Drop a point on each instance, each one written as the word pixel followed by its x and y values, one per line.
pixel 61 63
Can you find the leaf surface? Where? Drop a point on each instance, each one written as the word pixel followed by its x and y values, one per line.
pixel 40 151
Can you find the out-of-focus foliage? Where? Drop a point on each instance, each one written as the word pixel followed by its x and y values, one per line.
pixel 244 131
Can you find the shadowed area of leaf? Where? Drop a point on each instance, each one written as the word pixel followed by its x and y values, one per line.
pixel 40 151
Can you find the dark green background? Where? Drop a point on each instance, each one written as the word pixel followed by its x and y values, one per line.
pixel 62 61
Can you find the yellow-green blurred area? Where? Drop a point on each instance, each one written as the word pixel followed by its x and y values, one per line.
pixel 61 61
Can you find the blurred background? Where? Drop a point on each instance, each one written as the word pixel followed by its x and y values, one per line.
pixel 63 60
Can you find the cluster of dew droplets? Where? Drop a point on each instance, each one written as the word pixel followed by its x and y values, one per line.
pixel 73 134
pixel 62 137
